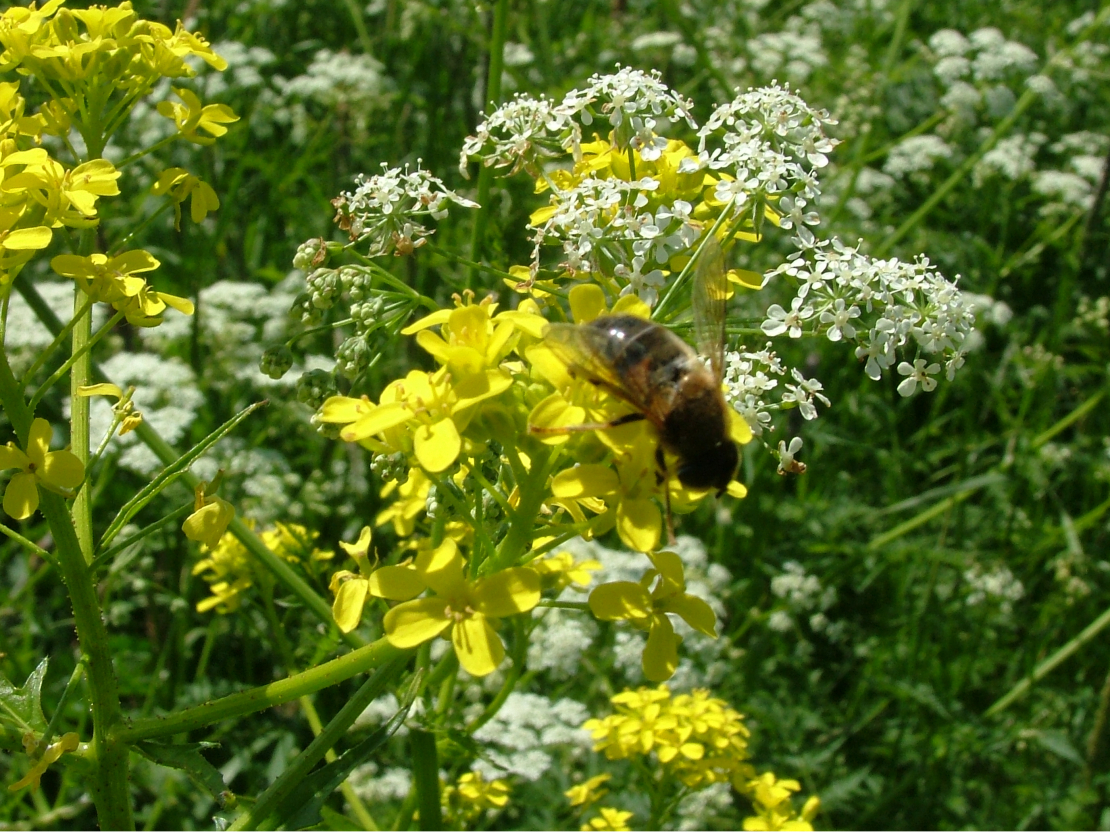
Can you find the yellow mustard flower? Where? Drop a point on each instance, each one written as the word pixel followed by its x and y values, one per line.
pixel 412 499
pixel 181 185
pixel 58 471
pixel 146 307
pixel 609 818
pixel 210 519
pixel 128 415
pixel 589 791
pixel 423 414
pixel 771 798
pixel 69 196
pixel 462 608
pixel 107 279
pixel 563 570
pixel 399 582
pixel 646 604
pixel 473 339
pixel 192 116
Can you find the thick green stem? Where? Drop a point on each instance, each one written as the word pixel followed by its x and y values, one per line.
pixel 522 524
pixel 425 775
pixel 109 784
pixel 263 697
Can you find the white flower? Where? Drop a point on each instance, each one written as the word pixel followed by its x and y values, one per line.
pixel 787 463
pixel 917 373
pixel 780 321
pixel 840 317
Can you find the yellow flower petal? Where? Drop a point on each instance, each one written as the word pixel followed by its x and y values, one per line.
pixel 380 418
pixel 359 547
pixel 442 569
pixel 414 623
pixel 738 428
pixel 437 446
pixel 587 302
pixel 21 498
pixel 477 645
pixel 63 469
pixel 589 480
pixel 396 582
pixel 620 600
pixel 638 524
pixel 512 591
pixel 347 608
pixel 697 613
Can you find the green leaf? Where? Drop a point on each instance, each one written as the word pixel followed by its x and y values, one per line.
pixel 302 807
pixel 22 707
pixel 187 758
pixel 1058 744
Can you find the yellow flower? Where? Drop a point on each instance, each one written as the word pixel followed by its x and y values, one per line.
pixel 58 471
pixel 609 819
pixel 69 196
pixel 771 798
pixel 399 583
pixel 146 307
pixel 646 604
pixel 562 570
pixel 463 608
pixel 180 185
pixel 472 339
pixel 128 415
pixel 107 279
pixel 588 791
pixel 486 796
pixel 210 519
pixel 423 414
pixel 194 116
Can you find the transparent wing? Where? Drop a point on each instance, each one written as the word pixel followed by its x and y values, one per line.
pixel 709 296
pixel 584 349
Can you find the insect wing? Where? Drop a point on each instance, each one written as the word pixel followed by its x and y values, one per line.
pixel 584 350
pixel 710 294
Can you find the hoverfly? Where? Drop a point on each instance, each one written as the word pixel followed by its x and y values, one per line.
pixel 661 377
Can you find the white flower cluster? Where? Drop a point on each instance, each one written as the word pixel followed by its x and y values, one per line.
pixel 885 307
pixel 522 737
pixel 773 145
pixel 598 218
pixel 389 209
pixel 802 593
pixel 998 585
pixel 522 132
pixel 752 386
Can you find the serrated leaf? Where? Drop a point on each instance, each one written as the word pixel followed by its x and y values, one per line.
pixel 22 707
pixel 187 758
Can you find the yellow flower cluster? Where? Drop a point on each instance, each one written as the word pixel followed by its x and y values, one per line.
pixel 697 740
pixel 464 801
pixel 94 65
pixel 231 570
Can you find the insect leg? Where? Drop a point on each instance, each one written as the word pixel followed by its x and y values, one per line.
pixel 586 426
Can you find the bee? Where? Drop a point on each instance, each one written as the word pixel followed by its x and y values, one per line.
pixel 662 378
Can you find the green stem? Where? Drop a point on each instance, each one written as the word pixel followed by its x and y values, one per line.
pixel 264 697
pixel 522 522
pixel 29 544
pixel 327 738
pixel 425 775
pixel 109 785
pixel 485 174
